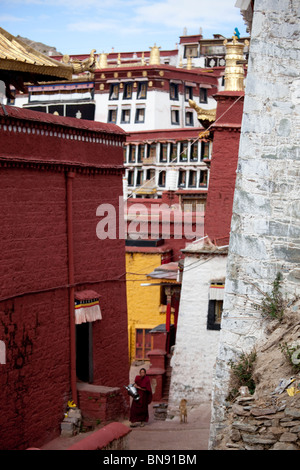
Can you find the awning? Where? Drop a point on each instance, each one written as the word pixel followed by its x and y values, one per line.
pixel 216 292
pixel 87 307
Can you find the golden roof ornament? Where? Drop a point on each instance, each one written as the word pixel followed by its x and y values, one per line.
pixel 234 72
pixel 205 116
pixel 154 55
pixel 189 63
pixel 102 61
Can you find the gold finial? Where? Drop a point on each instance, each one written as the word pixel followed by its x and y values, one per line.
pixel 234 72
pixel 180 62
pixel 143 58
pixel 189 63
pixel 119 59
pixel 102 62
pixel 155 55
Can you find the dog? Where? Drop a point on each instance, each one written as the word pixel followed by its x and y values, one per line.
pixel 183 411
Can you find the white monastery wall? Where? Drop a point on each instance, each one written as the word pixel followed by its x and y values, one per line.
pixel 196 347
pixel 265 230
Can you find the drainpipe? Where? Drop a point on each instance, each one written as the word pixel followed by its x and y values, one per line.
pixel 70 177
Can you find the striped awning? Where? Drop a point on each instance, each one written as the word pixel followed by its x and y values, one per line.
pixel 216 291
pixel 87 307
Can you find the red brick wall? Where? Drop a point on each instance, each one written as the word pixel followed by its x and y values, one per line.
pixel 34 299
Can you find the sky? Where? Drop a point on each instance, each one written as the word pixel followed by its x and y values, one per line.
pixel 78 26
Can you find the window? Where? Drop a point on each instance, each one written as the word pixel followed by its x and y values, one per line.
pixel 194 152
pixel 214 314
pixel 139 177
pixel 192 179
pixel 132 149
pixel 125 116
pixel 142 90
pixel 203 179
pixel 215 305
pixel 127 93
pixel 189 118
pixel 183 151
pixel 162 179
pixel 173 152
pixel 140 115
pixel 150 174
pixel 182 179
pixel 143 343
pixel 204 150
pixel 163 152
pixel 203 95
pixel 191 51
pixel 173 91
pixel 130 177
pixel 112 116
pixel 141 153
pixel 174 116
pixel 114 91
pixel 188 93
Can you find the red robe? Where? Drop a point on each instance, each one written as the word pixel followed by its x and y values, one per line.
pixel 139 409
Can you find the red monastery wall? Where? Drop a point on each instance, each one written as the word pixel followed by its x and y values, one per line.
pixel 223 166
pixel 37 152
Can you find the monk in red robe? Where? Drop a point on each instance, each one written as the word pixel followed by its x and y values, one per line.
pixel 139 409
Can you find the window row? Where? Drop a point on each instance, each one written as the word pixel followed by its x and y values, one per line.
pixel 127 89
pixel 126 115
pixel 185 179
pixel 188 93
pixel 167 152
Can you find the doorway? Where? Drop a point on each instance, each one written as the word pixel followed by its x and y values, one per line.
pixel 84 352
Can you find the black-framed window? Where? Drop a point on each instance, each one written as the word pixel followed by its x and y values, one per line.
pixel 112 116
pixel 125 116
pixel 114 91
pixel 182 179
pixel 174 116
pixel 183 152
pixel 188 93
pixel 203 95
pixel 203 179
pixel 189 118
pixel 130 178
pixel 173 152
pixel 191 50
pixel 131 153
pixel 214 314
pixel 142 152
pixel 140 115
pixel 162 179
pixel 163 152
pixel 204 149
pixel 194 152
pixel 127 93
pixel 139 177
pixel 142 90
pixel 192 179
pixel 174 91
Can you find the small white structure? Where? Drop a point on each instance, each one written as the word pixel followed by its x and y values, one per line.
pixel 197 337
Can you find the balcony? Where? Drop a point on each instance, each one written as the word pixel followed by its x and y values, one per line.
pixel 149 161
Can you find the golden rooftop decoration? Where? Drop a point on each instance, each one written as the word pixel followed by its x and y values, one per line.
pixel 154 55
pixel 189 63
pixel 234 72
pixel 20 64
pixel 80 66
pixel 102 61
pixel 203 114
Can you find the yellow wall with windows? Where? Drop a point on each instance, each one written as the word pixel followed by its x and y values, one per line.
pixel 142 302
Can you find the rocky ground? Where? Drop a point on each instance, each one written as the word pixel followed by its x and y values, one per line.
pixel 269 419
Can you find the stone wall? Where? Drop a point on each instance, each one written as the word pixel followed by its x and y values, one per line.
pixel 265 225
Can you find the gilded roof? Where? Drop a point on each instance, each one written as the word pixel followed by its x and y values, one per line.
pixel 21 63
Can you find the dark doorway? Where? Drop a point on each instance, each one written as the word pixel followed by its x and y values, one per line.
pixel 84 352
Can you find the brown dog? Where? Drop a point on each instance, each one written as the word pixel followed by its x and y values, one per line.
pixel 183 411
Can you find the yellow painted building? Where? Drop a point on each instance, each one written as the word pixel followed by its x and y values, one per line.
pixel 146 305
